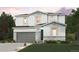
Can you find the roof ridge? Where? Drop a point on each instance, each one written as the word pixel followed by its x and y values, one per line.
pixel 42 12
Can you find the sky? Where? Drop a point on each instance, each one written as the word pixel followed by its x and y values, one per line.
pixel 26 10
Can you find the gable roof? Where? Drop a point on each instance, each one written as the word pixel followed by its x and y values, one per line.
pixel 38 12
pixel 48 13
pixel 21 15
pixel 29 13
pixel 53 23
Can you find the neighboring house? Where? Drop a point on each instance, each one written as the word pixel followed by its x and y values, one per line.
pixel 28 27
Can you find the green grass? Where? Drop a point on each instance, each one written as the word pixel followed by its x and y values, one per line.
pixel 49 47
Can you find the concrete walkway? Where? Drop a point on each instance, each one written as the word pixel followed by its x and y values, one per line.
pixel 12 47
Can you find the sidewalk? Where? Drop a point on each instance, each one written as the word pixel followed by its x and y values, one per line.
pixel 11 47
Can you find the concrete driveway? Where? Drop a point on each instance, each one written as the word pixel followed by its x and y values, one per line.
pixel 11 47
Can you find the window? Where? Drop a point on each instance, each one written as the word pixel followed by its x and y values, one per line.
pixel 54 32
pixel 25 20
pixel 50 18
pixel 38 18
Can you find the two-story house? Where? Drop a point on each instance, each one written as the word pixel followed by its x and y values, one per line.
pixel 39 26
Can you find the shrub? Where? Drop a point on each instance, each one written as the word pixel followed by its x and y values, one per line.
pixel 70 36
pixel 64 42
pixel 50 41
pixel 58 41
pixel 9 40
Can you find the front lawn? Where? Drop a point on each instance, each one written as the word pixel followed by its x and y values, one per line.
pixel 49 47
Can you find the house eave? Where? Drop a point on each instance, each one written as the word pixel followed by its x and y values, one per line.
pixel 47 13
pixel 23 27
pixel 54 23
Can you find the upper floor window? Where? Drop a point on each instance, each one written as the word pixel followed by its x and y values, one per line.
pixel 61 19
pixel 24 20
pixel 38 18
pixel 50 18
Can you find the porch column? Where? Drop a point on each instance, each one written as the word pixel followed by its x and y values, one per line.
pixel 15 36
pixel 37 36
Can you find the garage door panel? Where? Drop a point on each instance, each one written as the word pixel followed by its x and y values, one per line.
pixel 25 36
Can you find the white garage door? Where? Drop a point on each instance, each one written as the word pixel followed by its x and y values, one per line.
pixel 25 37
